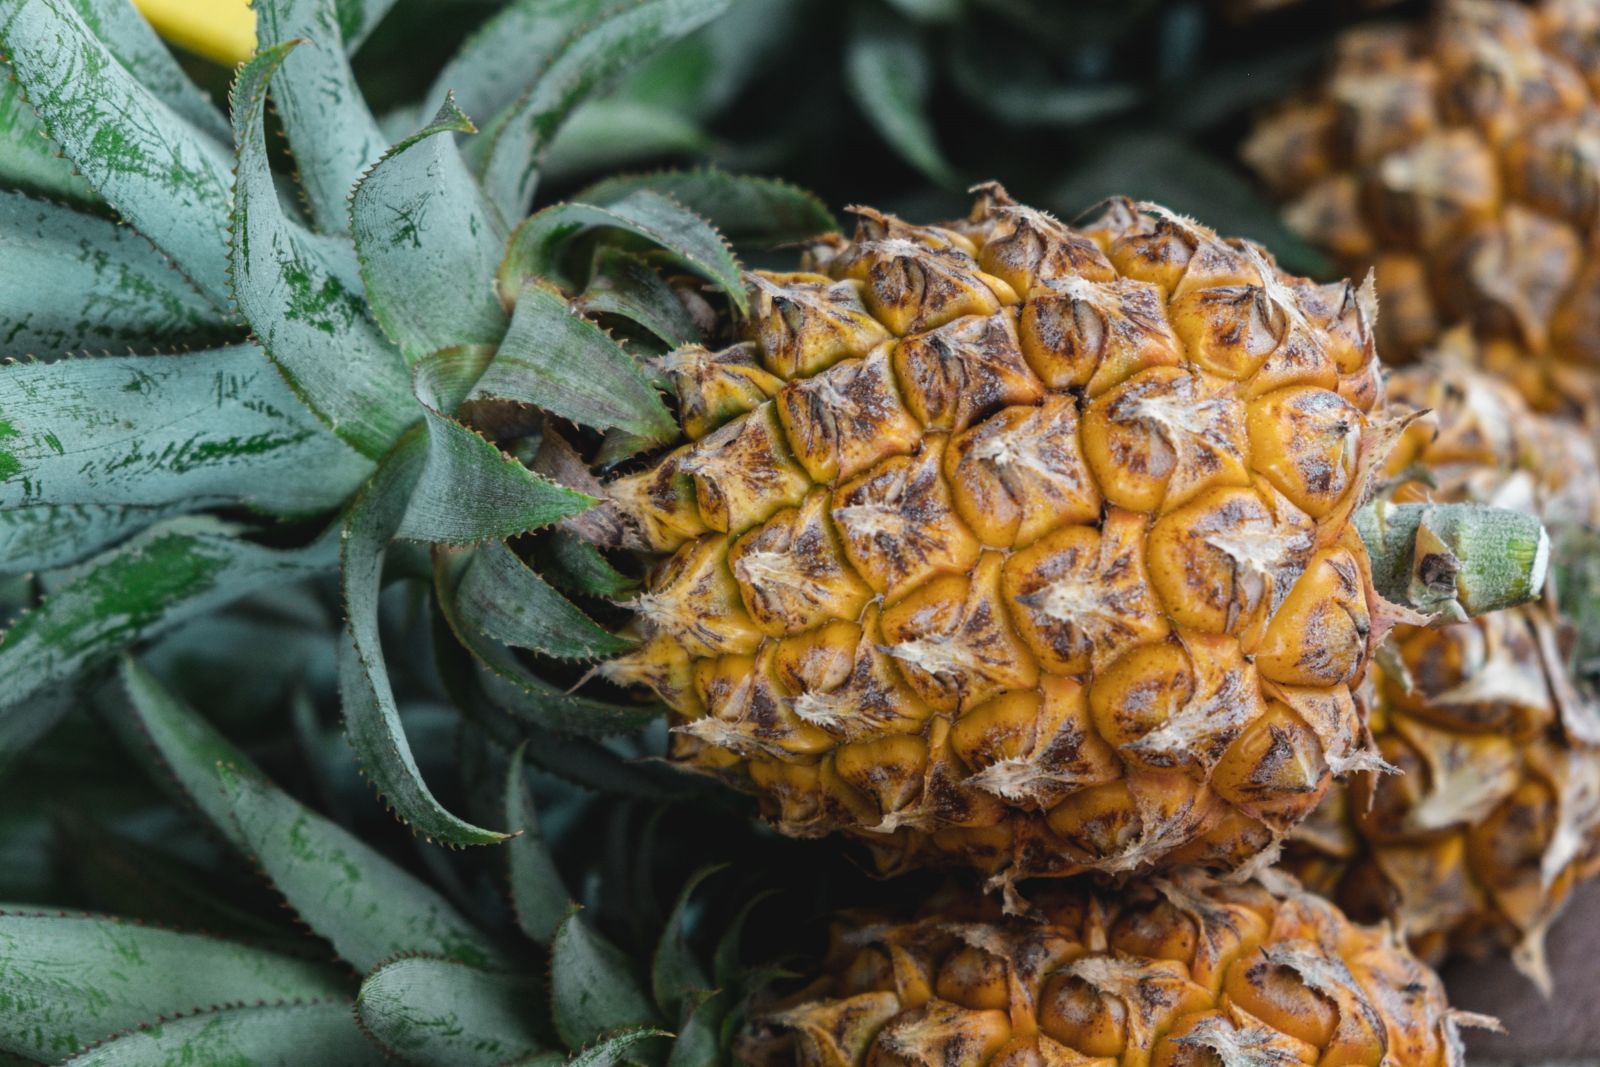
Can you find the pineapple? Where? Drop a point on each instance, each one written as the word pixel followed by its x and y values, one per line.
pixel 1171 973
pixel 1496 815
pixel 996 543
pixel 1458 158
pixel 1012 545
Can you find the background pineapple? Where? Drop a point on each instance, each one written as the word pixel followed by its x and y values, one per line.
pixel 1492 722
pixel 1174 972
pixel 1456 156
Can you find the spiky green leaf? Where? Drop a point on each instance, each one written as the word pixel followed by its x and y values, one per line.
pixel 171 572
pixel 124 31
pixel 159 173
pixel 890 76
pixel 29 159
pixel 372 718
pixel 675 972
pixel 71 282
pixel 508 600
pixel 537 891
pixel 558 360
pixel 469 490
pixel 366 906
pixel 320 1033
pixel 536 248
pixel 216 427
pixel 520 691
pixel 579 567
pixel 624 285
pixel 303 297
pixel 122 974
pixel 429 244
pixel 613 1050
pixel 611 133
pixel 588 62
pixel 593 990
pixel 48 536
pixel 333 134
pixel 699 1036
pixel 446 1014
pixel 748 210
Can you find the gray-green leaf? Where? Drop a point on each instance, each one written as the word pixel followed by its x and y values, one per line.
pixel 747 210
pixel 507 600
pixel 538 893
pixel 29 159
pixel 153 167
pixel 197 429
pixel 319 1033
pixel 429 243
pixel 589 62
pixel 447 1014
pixel 124 31
pixel 303 296
pixel 171 572
pixel 121 975
pixel 593 989
pixel 71 282
pixel 688 240
pixel 372 718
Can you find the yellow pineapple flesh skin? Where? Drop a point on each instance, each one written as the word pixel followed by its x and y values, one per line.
pixel 1460 158
pixel 1175 973
pixel 1014 546
pixel 1496 814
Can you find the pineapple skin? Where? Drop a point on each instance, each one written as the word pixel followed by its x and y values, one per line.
pixel 1477 844
pixel 1179 973
pixel 1006 545
pixel 1460 159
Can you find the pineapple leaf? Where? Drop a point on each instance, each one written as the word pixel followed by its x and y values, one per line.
pixel 195 429
pixel 439 1012
pixel 358 18
pixel 428 243
pixel 890 76
pixel 626 286
pixel 372 718
pixel 70 282
pixel 675 973
pixel 576 566
pixel 345 890
pixel 560 361
pixel 593 990
pixel 29 160
pixel 306 1032
pixel 699 1038
pixel 612 132
pixel 333 134
pixel 520 691
pixel 538 893
pixel 469 490
pixel 747 210
pixel 613 1050
pixel 156 170
pixel 588 62
pixel 173 571
pixel 124 974
pixel 45 536
pixel 507 600
pixel 130 38
pixel 503 57
pixel 302 295
pixel 690 241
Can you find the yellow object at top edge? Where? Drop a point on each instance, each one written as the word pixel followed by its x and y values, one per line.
pixel 222 30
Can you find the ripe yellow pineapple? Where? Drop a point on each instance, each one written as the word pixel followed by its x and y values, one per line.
pixel 1007 544
pixel 1461 158
pixel 1179 973
pixel 1497 812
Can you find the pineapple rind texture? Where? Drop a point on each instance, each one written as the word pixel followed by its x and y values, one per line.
pixel 1034 553
pixel 1461 158
pixel 1171 973
pixel 1496 816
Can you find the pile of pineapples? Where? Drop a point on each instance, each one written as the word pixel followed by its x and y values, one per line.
pixel 1088 579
